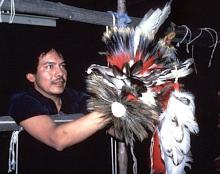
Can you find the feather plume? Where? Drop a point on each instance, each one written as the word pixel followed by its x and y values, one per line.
pixel 138 116
pixel 149 26
pixel 137 89
pixel 176 125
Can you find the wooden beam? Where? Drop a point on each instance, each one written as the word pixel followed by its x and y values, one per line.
pixel 60 10
pixel 30 19
pixel 8 124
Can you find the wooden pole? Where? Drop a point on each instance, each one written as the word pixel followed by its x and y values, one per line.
pixel 122 149
pixel 60 10
pixel 121 6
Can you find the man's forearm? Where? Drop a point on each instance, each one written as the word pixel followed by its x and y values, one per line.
pixel 78 130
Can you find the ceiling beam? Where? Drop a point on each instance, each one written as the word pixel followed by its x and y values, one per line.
pixel 63 11
pixel 30 20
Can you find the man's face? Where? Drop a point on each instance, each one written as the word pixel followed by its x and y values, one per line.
pixel 50 78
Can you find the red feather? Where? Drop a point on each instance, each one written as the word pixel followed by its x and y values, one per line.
pixel 119 60
pixel 147 64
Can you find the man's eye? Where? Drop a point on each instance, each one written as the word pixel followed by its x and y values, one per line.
pixel 49 66
pixel 63 65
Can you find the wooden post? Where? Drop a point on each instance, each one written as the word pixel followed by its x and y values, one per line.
pixel 122 158
pixel 122 150
pixel 121 6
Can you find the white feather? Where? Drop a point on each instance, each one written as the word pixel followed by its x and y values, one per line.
pixel 114 83
pixel 183 71
pixel 179 169
pixel 176 124
pixel 148 98
pixel 109 77
pixel 150 24
pixel 102 69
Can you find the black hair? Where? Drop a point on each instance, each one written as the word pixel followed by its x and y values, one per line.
pixel 33 59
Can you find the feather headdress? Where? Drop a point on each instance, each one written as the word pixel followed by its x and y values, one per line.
pixel 136 88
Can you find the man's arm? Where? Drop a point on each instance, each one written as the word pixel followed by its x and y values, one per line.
pixel 43 128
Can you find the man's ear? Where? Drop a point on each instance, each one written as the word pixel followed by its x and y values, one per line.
pixel 30 77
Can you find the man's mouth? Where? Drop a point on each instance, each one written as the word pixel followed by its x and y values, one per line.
pixel 59 82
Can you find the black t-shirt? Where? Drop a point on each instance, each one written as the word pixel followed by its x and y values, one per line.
pixel 38 158
pixel 31 103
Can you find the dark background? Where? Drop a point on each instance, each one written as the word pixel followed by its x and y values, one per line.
pixel 80 43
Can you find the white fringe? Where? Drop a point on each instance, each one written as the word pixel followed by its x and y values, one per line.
pixel 13 152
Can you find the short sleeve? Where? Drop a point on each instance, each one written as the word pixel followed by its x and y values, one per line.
pixel 22 107
pixel 74 101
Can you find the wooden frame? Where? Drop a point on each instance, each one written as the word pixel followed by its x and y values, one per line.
pixel 8 124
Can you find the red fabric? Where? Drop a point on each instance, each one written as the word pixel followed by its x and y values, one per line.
pixel 158 164
pixel 165 90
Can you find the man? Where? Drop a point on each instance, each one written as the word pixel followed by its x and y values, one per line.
pixel 32 109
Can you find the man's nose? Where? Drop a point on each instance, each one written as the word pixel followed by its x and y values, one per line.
pixel 59 71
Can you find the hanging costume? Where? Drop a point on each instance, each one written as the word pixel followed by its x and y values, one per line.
pixel 139 89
